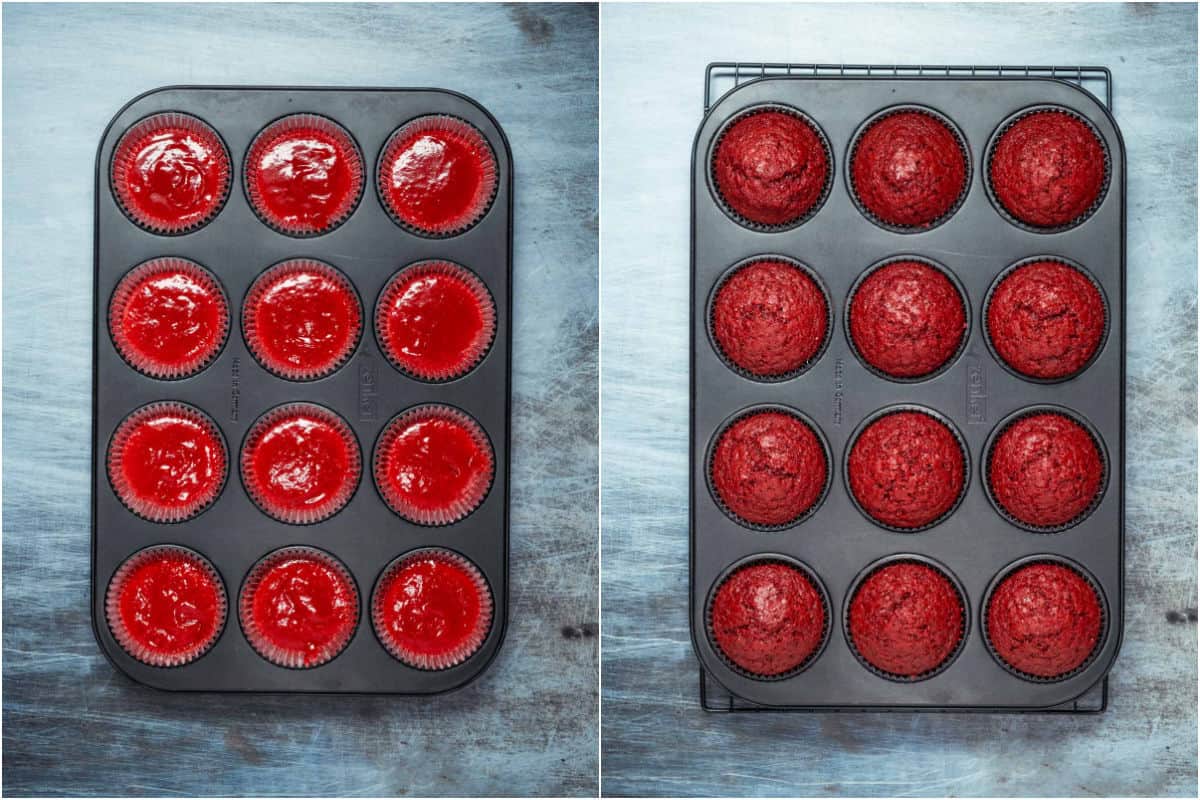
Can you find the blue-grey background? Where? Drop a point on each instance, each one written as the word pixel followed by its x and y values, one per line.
pixel 72 725
pixel 656 740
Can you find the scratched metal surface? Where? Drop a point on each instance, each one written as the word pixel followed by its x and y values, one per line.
pixel 656 740
pixel 72 725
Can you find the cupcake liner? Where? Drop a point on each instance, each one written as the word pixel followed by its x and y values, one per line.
pixel 333 505
pixel 424 661
pixel 261 285
pixel 451 127
pixel 962 296
pixel 461 507
pixel 1058 561
pixel 262 645
pixel 116 625
pixel 987 304
pixel 1016 417
pixel 125 290
pixel 929 412
pixel 724 204
pixel 749 412
pixel 925 561
pixel 711 310
pixel 853 150
pixel 123 155
pixel 146 509
pixel 755 560
pixel 487 306
pixel 294 123
pixel 991 151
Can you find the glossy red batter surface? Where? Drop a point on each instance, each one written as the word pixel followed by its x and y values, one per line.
pixel 437 322
pixel 303 611
pixel 1046 319
pixel 168 463
pixel 307 179
pixel 906 619
pixel 302 320
pixel 438 177
pixel 169 608
pixel 302 465
pixel 172 176
pixel 768 618
pixel 909 169
pixel 433 611
pixel 1048 169
pixel 168 318
pixel 906 469
pixel 770 318
pixel 769 468
pixel 907 319
pixel 771 167
pixel 434 467
pixel 1044 620
pixel 1045 469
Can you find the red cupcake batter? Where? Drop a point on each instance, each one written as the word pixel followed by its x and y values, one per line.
pixel 770 318
pixel 1048 169
pixel 175 177
pixel 301 466
pixel 435 323
pixel 170 607
pixel 436 178
pixel 1045 470
pixel 906 619
pixel 307 178
pixel 909 169
pixel 171 463
pixel 306 319
pixel 771 167
pixel 1046 319
pixel 768 618
pixel 168 318
pixel 769 468
pixel 305 608
pixel 434 465
pixel 906 469
pixel 1044 620
pixel 907 319
pixel 433 608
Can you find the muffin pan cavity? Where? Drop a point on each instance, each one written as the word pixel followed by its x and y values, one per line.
pixel 238 419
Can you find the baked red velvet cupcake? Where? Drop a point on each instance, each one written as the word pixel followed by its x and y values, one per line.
pixel 166 605
pixel 301 463
pixel 1046 319
pixel 437 175
pixel 768 618
pixel 771 167
pixel 1048 169
pixel 299 607
pixel 1044 620
pixel 906 470
pixel 770 318
pixel 170 173
pixel 432 609
pixel 303 175
pixel 433 465
pixel 769 468
pixel 906 620
pixel 907 319
pixel 1045 470
pixel 435 320
pixel 909 169
pixel 302 319
pixel 168 318
pixel 167 462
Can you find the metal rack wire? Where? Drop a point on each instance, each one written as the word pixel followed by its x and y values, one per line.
pixel 722 76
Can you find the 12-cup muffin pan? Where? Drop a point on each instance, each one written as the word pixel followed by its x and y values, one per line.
pixel 234 390
pixel 837 544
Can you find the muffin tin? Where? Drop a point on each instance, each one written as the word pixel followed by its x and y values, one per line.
pixel 975 543
pixel 366 391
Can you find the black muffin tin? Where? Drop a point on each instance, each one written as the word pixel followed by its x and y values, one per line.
pixel 367 391
pixel 976 394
